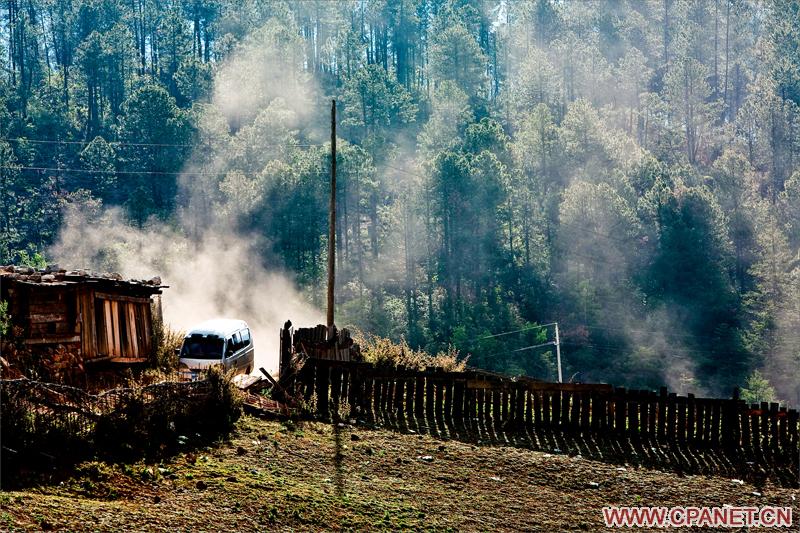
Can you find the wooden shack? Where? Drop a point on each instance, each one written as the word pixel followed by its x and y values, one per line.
pixel 99 317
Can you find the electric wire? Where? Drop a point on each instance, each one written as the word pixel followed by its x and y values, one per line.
pixel 24 140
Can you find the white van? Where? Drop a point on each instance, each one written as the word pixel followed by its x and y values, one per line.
pixel 218 342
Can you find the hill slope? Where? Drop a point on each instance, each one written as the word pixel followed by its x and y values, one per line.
pixel 316 477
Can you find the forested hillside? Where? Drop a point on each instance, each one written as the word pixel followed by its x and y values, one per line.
pixel 630 169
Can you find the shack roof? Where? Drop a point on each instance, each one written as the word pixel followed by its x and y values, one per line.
pixel 53 276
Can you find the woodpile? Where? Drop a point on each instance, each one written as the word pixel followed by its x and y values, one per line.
pixel 263 396
pixel 56 364
pixel 313 342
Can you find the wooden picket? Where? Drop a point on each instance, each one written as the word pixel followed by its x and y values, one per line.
pixel 484 405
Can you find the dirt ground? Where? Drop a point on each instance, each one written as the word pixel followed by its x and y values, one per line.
pixel 319 477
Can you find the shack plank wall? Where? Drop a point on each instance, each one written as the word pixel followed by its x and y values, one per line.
pixel 94 317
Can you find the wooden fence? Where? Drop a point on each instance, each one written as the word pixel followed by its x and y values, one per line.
pixel 661 429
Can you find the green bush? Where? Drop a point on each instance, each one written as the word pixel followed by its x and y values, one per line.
pixel 5 319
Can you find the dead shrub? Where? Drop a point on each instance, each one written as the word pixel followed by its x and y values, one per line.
pixel 165 341
pixel 385 352
pixel 68 424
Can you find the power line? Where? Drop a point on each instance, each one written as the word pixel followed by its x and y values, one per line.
pixel 548 343
pixel 527 328
pixel 651 332
pixel 123 143
pixel 617 349
pixel 124 172
pixel 84 143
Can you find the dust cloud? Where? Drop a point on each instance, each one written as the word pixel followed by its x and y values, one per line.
pixel 218 277
pixel 212 269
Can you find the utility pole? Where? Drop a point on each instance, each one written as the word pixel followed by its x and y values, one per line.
pixel 332 224
pixel 558 355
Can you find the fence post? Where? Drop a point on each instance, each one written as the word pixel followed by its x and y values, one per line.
pixel 387 403
pixel 504 393
pixel 528 407
pixel 756 429
pixel 366 400
pixel 644 414
pixel 573 401
pixel 419 397
pixel 793 417
pixel 744 421
pixel 336 387
pixel 519 415
pixel 765 426
pixel 598 411
pixel 458 403
pixel 546 415
pixel 429 396
pixel 346 372
pixel 701 434
pixel 399 395
pixel 690 418
pixel 556 417
pixel 585 410
pixel 716 410
pixel 410 382
pixel 774 430
pixel 662 414
pixel 672 401
pixel 469 407
pixel 783 435
pixel 633 414
pixel 481 401
pixel 652 399
pixel 439 393
pixel 620 408
pixel 322 380
pixel 681 407
pixel 354 391
pixel 308 373
pixel 497 420
pixel 729 426
pixel 448 398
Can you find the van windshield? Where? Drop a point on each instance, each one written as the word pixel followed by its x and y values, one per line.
pixel 200 347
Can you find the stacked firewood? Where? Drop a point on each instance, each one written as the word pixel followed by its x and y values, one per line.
pixel 56 364
pixel 63 365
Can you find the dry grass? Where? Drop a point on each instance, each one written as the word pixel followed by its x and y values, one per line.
pixel 165 341
pixel 317 477
pixel 385 352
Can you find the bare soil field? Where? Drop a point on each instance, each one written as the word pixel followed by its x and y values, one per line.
pixel 317 477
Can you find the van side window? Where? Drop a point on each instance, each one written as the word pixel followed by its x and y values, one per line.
pixel 246 337
pixel 237 341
